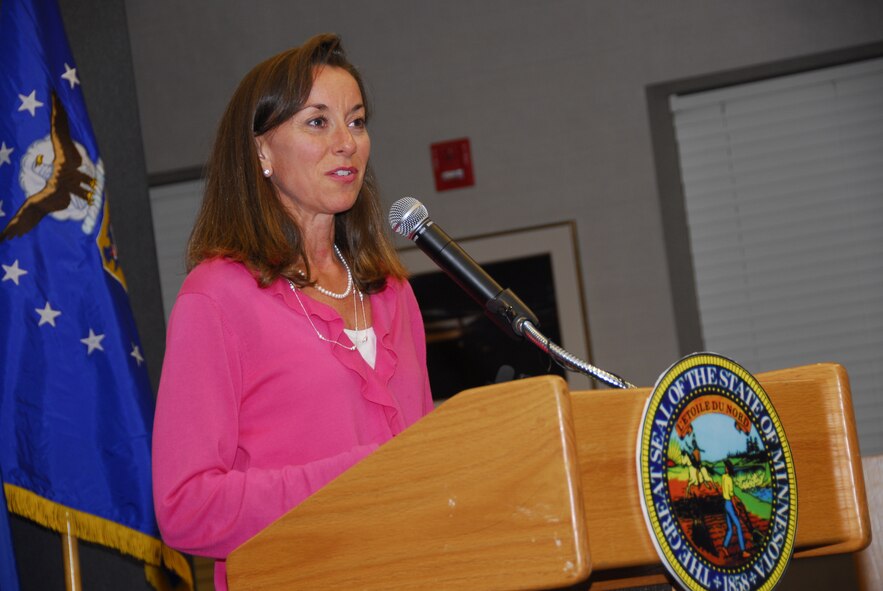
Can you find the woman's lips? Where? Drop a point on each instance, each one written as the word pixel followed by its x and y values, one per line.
pixel 344 174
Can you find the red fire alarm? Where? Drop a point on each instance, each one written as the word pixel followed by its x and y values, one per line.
pixel 452 164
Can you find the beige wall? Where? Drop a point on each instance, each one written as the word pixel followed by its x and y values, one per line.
pixel 551 94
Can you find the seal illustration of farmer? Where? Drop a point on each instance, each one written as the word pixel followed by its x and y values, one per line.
pixel 720 491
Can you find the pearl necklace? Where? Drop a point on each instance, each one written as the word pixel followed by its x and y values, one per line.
pixel 349 280
pixel 355 313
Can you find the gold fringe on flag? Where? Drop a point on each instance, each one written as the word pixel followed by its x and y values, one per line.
pixel 105 532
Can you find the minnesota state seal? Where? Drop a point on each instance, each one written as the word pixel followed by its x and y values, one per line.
pixel 718 487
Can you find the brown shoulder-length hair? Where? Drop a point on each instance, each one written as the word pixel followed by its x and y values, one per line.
pixel 242 217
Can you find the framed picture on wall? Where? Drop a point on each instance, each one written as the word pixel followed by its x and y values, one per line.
pixel 464 348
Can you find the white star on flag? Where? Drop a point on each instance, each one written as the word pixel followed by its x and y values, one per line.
pixel 70 74
pixel 47 315
pixel 93 341
pixel 13 272
pixel 30 103
pixel 4 154
pixel 136 353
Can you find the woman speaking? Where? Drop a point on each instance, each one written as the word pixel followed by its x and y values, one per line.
pixel 295 347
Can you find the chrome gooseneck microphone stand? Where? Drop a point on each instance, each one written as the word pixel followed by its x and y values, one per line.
pixel 409 218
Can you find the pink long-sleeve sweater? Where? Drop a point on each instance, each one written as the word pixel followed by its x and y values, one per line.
pixel 255 412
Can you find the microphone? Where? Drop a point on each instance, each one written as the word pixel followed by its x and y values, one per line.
pixel 409 218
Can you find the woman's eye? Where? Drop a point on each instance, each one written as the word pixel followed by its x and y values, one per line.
pixel 317 122
pixel 359 123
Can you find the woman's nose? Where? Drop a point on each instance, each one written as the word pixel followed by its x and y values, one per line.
pixel 345 143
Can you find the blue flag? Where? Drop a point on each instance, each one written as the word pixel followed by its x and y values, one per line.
pixel 76 408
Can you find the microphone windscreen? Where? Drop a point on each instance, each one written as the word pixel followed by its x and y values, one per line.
pixel 406 215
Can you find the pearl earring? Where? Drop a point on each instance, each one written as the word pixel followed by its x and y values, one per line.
pixel 267 172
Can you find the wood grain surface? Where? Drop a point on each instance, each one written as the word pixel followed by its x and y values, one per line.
pixel 483 493
pixel 522 486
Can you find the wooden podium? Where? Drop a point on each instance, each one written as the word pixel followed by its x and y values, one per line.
pixel 524 485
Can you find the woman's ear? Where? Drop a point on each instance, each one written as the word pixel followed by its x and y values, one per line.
pixel 266 167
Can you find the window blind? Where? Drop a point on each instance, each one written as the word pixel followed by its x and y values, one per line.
pixel 174 208
pixel 783 188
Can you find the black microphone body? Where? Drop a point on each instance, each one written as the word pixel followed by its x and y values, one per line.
pixel 502 306
pixel 454 261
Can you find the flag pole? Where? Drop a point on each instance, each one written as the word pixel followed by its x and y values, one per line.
pixel 71 550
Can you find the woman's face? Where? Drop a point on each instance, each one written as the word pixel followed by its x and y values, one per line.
pixel 318 157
